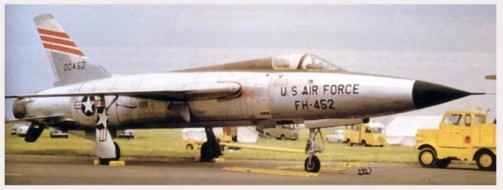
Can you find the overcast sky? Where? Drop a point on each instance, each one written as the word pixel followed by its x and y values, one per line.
pixel 407 41
pixel 412 27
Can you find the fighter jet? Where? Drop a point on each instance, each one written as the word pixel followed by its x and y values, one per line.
pixel 290 89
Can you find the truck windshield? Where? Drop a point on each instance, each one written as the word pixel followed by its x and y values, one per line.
pixel 479 118
pixel 452 119
pixel 376 130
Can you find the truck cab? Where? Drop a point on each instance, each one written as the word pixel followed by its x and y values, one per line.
pixel 362 134
pixel 461 135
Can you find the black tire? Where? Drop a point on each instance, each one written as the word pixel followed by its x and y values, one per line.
pixel 484 155
pixel 364 143
pixel 104 161
pixel 312 164
pixel 206 153
pixel 444 163
pixel 34 131
pixel 424 155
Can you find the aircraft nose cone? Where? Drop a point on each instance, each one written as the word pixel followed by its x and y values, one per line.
pixel 428 94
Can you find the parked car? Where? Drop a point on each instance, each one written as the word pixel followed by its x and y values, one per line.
pixel 21 130
pixel 56 133
pixel 337 136
pixel 13 130
pixel 127 134
pixel 282 132
pixel 362 134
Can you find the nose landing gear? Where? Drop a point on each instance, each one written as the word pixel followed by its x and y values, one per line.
pixel 312 163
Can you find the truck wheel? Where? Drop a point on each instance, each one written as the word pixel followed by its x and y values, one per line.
pixel 364 143
pixel 427 157
pixel 486 160
pixel 444 163
pixel 189 147
pixel 282 137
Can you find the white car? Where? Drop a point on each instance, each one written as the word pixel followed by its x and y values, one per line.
pixel 127 134
pixel 13 130
pixel 337 136
pixel 56 133
pixel 21 130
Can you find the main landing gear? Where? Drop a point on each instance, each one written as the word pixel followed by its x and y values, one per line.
pixel 210 149
pixel 312 163
pixel 117 156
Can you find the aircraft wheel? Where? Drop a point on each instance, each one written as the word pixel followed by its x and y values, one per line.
pixel 104 161
pixel 312 164
pixel 207 153
pixel 427 157
pixel 486 160
pixel 34 131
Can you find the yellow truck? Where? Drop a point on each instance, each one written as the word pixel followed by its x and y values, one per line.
pixel 362 134
pixel 461 135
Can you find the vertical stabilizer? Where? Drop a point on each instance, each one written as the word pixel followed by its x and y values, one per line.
pixel 68 62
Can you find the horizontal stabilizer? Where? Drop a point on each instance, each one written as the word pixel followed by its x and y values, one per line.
pixel 35 118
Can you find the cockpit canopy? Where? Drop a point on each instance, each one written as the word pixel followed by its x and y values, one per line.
pixel 302 62
pixel 307 62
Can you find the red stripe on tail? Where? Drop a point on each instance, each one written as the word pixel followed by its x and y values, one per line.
pixel 63 49
pixel 58 41
pixel 53 33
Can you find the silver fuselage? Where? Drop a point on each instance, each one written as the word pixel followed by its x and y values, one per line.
pixel 265 98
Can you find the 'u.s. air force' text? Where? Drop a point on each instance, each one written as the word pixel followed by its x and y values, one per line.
pixel 321 90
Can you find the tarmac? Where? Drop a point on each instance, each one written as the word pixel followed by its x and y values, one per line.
pixel 73 170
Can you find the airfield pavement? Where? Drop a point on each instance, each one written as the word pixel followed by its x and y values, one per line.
pixel 79 170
